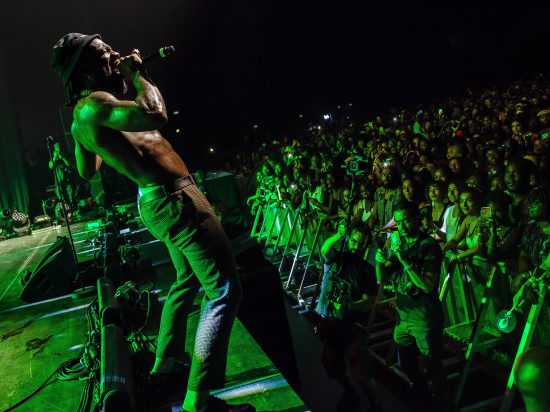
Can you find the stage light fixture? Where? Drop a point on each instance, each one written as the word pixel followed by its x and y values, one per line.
pixel 19 218
pixel 21 222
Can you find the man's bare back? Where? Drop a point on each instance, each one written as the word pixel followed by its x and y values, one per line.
pixel 145 157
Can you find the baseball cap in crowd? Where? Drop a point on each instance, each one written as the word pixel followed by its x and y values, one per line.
pixel 66 53
pixel 543 112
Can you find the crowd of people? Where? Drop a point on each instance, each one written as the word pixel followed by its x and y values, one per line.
pixel 425 189
pixel 474 166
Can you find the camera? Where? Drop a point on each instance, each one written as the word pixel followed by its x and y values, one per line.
pixel 339 296
pixel 411 290
pixel 355 166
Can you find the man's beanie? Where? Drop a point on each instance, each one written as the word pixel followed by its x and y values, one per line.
pixel 66 53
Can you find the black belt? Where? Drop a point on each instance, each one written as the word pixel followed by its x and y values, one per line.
pixel 168 189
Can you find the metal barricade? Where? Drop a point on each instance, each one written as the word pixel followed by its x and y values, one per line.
pixel 455 294
pixel 462 294
pixel 285 236
pixel 271 223
pixel 259 215
pixel 482 292
pixel 262 214
pixel 313 240
pixel 304 274
pixel 299 253
pixel 485 325
pixel 531 324
pixel 296 238
pixel 293 240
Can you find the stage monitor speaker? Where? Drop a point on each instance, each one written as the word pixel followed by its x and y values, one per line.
pixel 263 312
pixel 54 274
pixel 223 193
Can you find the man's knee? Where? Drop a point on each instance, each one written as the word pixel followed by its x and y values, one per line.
pixel 402 338
pixel 232 293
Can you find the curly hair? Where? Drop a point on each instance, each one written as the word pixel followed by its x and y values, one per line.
pixel 541 195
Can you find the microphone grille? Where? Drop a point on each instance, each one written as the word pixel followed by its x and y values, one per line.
pixel 166 51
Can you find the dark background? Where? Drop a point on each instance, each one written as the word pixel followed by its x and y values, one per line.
pixel 242 63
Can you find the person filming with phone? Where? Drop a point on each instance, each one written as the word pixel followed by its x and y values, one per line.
pixel 500 238
pixel 414 259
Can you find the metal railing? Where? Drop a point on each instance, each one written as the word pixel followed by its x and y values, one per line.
pixel 292 239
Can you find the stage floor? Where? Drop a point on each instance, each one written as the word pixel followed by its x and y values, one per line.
pixel 36 338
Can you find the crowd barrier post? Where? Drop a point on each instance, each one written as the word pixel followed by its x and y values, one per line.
pixel 448 299
pixel 312 250
pixel 475 343
pixel 453 278
pixel 265 210
pixel 273 223
pixel 524 344
pixel 287 210
pixel 294 223
pixel 257 220
pixel 296 255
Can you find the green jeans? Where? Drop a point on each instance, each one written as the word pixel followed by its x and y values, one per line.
pixel 202 256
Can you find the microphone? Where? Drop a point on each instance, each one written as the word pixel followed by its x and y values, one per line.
pixel 159 54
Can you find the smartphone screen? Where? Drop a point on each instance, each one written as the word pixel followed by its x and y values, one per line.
pixel 485 214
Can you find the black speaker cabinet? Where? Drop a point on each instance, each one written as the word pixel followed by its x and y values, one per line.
pixel 54 274
pixel 263 311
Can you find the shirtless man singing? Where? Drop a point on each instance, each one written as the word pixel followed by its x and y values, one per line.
pixel 123 134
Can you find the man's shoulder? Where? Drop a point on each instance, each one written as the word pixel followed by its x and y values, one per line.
pixel 96 97
pixel 429 249
pixel 426 239
pixel 89 108
pixel 427 242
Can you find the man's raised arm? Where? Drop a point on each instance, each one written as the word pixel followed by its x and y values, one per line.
pixel 146 112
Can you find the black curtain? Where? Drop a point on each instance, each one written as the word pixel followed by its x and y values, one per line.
pixel 13 183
